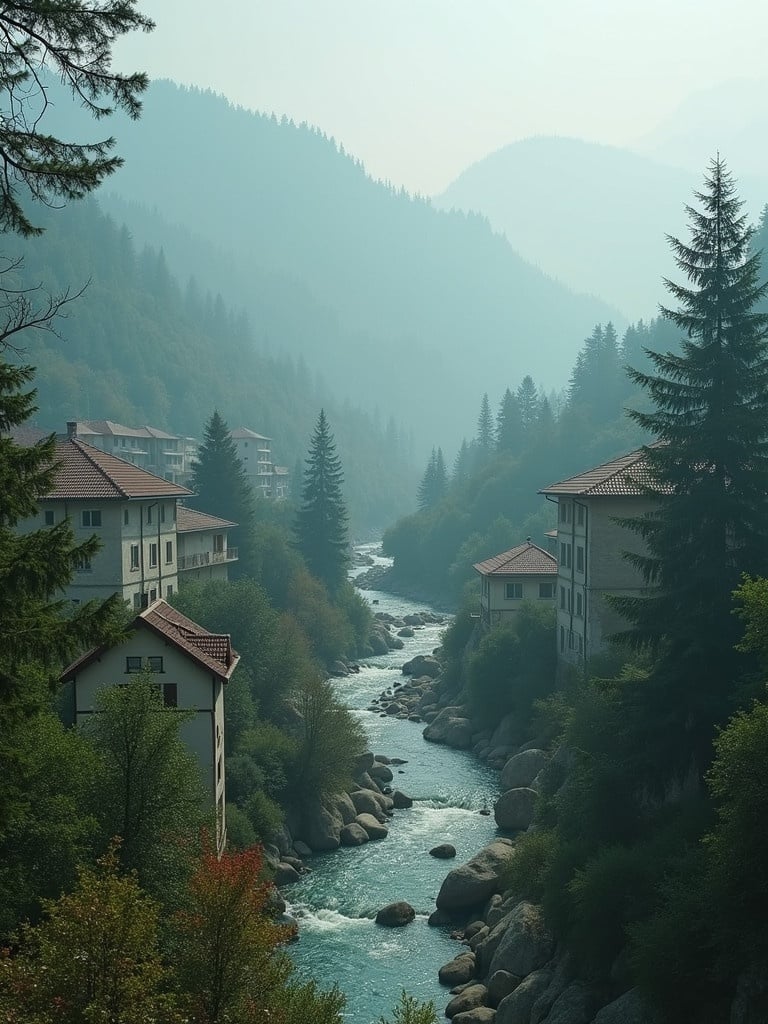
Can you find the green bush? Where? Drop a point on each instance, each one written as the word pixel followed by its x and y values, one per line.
pixel 526 873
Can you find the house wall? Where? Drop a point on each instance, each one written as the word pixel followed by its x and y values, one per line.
pixel 496 607
pixel 204 555
pixel 590 546
pixel 197 689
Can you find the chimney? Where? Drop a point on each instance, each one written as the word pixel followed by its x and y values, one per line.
pixel 72 428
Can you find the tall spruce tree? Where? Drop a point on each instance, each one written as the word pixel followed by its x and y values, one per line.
pixel 222 489
pixel 528 403
pixel 486 440
pixel 321 522
pixel 509 426
pixel 709 471
pixel 434 482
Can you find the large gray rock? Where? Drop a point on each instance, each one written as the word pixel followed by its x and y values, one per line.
pixel 468 999
pixel 527 945
pixel 477 1015
pixel 365 801
pixel 514 809
pixel 372 826
pixel 443 851
pixel 631 1009
pixel 340 805
pixel 506 733
pixel 516 1007
pixel 363 763
pixel 500 985
pixel 353 835
pixel 575 1005
pixel 486 950
pixel 422 665
pixel 470 884
pixel 396 915
pixel 457 971
pixel 285 874
pixel 320 828
pixel 401 801
pixel 380 772
pixel 450 727
pixel 522 769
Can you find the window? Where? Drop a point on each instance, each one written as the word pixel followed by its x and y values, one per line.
pixel 91 517
pixel 581 644
pixel 566 555
pixel 152 555
pixel 562 597
pixel 137 605
pixel 566 511
pixel 168 590
pixel 546 590
pixel 580 515
pixel 162 513
pixel 133 664
pixel 513 591
pixel 170 692
pixel 83 564
pixel 218 543
pixel 155 664
pixel 562 638
pixel 571 640
pixel 579 559
pixel 152 596
pixel 126 517
pixel 149 514
pixel 134 556
pixel 169 551
pixel 579 605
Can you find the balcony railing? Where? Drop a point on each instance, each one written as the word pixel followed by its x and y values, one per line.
pixel 200 559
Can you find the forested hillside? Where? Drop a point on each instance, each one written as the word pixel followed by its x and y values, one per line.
pixel 371 285
pixel 138 348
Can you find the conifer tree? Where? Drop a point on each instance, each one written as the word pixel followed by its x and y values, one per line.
pixel 321 522
pixel 528 404
pixel 434 482
pixel 222 489
pixel 509 427
pixel 485 434
pixel 462 463
pixel 709 473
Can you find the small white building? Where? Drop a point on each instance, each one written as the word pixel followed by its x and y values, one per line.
pixel 255 453
pixel 190 666
pixel 132 512
pixel 591 543
pixel 204 552
pixel 524 573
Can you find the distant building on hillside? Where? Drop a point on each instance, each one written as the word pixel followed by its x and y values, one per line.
pixel 190 667
pixel 524 573
pixel 255 453
pixel 167 455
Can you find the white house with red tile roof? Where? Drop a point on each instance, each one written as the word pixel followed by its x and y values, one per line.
pixel 590 543
pixel 203 549
pixel 191 666
pixel 524 573
pixel 132 512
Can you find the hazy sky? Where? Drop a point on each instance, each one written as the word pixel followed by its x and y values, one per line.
pixel 419 89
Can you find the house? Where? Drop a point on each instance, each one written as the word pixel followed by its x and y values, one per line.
pixel 526 572
pixel 591 542
pixel 131 511
pixel 190 667
pixel 166 455
pixel 203 550
pixel 255 452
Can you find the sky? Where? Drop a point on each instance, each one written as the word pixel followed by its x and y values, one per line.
pixel 420 89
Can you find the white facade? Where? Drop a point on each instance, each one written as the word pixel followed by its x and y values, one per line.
pixel 524 573
pixel 255 453
pixel 204 550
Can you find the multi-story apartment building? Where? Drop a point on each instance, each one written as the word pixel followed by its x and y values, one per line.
pixel 204 552
pixel 166 455
pixel 524 573
pixel 590 544
pixel 190 666
pixel 255 452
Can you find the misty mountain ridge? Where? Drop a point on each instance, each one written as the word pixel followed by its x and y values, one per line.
pixel 411 308
pixel 595 216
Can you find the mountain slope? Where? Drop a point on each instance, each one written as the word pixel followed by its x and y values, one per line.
pixel 429 306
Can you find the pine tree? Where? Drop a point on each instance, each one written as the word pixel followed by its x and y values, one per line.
pixel 222 489
pixel 462 463
pixel 509 427
pixel 38 631
pixel 709 473
pixel 528 403
pixel 485 434
pixel 321 522
pixel 434 482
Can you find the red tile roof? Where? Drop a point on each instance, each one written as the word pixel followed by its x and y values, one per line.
pixel 211 651
pixel 189 519
pixel 87 472
pixel 525 560
pixel 627 476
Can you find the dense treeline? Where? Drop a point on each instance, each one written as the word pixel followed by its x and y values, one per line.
pixel 138 348
pixel 490 503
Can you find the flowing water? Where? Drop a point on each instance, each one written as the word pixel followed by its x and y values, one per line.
pixel 336 903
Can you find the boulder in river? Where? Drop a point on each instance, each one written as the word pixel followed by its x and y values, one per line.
pixel 422 665
pixel 514 809
pixel 400 800
pixel 523 768
pixel 468 999
pixel 457 971
pixel 443 851
pixel 353 835
pixel 372 826
pixel 469 885
pixel 396 915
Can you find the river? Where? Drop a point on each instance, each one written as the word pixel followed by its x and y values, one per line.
pixel 336 903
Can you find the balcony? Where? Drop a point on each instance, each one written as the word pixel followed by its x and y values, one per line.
pixel 202 558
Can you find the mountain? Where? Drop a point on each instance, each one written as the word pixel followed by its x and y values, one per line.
pixel 138 348
pixel 412 309
pixel 595 216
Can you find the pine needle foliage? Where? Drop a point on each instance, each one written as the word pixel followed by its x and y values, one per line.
pixel 709 466
pixel 321 522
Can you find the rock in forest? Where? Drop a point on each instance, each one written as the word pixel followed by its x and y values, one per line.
pixel 471 884
pixel 514 809
pixel 471 997
pixel 396 915
pixel 522 769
